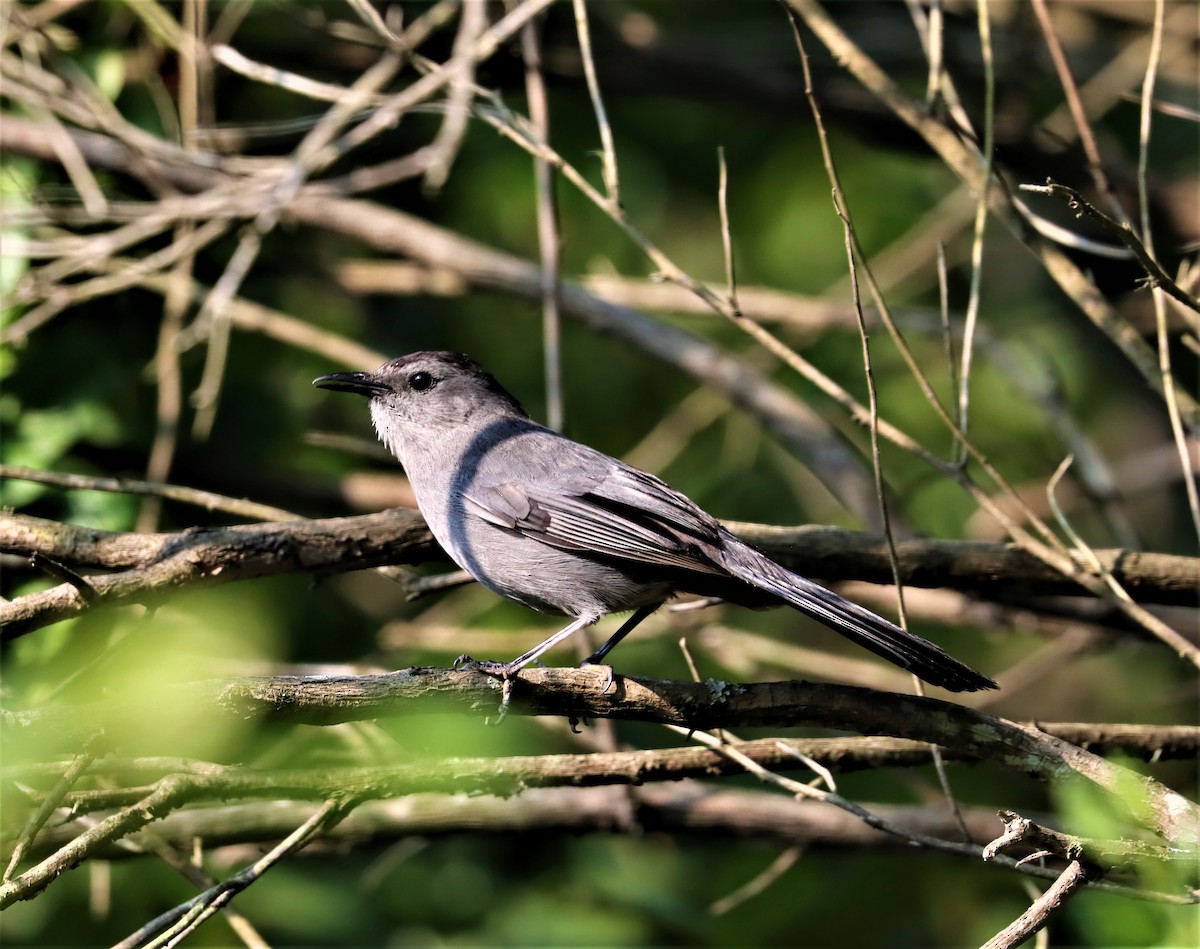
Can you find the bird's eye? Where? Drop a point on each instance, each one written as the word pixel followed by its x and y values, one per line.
pixel 420 381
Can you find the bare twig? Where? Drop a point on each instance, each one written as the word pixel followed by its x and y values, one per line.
pixel 1084 553
pixel 547 227
pixel 473 19
pixel 1039 914
pixel 46 807
pixel 608 151
pixel 1083 128
pixel 763 881
pixel 1145 257
pixel 967 352
pixel 1095 854
pixel 173 492
pixel 1160 309
pixel 187 917
pixel 727 233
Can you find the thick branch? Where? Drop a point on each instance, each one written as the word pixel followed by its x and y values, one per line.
pixel 151 565
pixel 580 693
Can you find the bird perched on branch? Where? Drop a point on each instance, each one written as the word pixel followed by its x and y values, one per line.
pixel 563 528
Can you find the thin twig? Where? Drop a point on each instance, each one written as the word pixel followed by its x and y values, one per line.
pixel 967 351
pixel 1179 643
pixel 449 138
pixel 46 807
pixel 1160 309
pixel 851 242
pixel 173 492
pixel 726 232
pixel 608 152
pixel 1042 910
pixel 547 227
pixel 168 377
pixel 1157 276
pixel 231 59
pixel 759 884
pixel 1083 128
pixel 187 917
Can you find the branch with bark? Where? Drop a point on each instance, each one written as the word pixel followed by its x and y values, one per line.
pixel 149 567
pixel 587 694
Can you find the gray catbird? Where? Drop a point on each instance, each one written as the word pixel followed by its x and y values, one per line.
pixel 566 529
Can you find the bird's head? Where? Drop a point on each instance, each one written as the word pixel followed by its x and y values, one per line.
pixel 426 396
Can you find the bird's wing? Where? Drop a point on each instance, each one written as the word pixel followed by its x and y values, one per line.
pixel 600 506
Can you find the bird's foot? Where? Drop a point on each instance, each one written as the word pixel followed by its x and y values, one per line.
pixel 487 666
pixel 505 701
pixel 506 672
pixel 601 667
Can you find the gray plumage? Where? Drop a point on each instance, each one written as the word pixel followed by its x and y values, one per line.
pixel 563 528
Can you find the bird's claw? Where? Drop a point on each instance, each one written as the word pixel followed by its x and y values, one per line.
pixel 605 668
pixel 504 671
pixel 505 700
pixel 486 666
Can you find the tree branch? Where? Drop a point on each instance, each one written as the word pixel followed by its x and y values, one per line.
pixel 1041 910
pixel 152 565
pixel 580 694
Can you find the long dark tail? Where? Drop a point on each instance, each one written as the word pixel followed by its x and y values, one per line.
pixel 856 623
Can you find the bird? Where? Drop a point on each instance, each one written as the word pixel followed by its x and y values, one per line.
pixel 563 528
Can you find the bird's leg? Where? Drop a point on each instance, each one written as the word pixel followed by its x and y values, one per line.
pixel 597 658
pixel 508 669
pixel 627 627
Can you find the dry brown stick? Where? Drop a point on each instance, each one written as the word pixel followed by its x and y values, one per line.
pixel 549 239
pixel 1039 913
pixel 1083 127
pixel 1156 276
pixel 168 795
pixel 662 807
pixel 205 499
pixel 188 916
pixel 1094 853
pixel 33 825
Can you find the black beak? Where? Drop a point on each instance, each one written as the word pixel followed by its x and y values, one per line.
pixel 362 383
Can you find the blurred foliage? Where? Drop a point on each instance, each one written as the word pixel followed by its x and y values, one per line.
pixel 680 79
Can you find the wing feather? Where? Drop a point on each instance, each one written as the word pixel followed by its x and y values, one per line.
pixel 613 516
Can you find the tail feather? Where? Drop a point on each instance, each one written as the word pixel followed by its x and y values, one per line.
pixel 886 639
